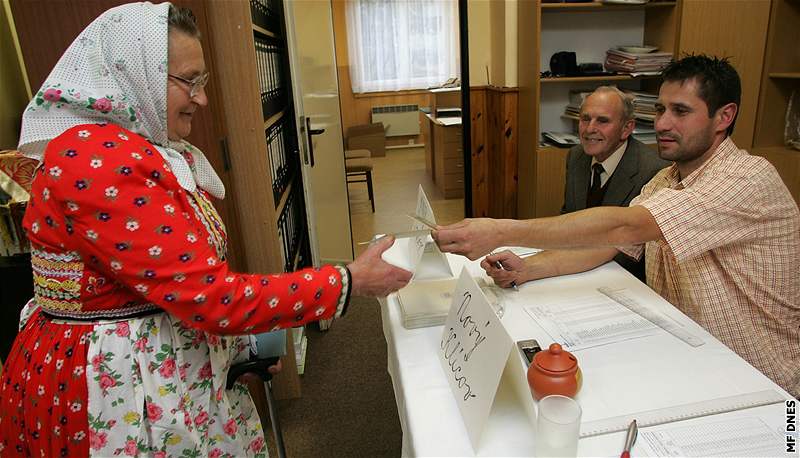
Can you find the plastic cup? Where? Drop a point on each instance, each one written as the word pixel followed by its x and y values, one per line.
pixel 558 426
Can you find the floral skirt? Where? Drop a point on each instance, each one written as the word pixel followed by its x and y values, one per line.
pixel 144 386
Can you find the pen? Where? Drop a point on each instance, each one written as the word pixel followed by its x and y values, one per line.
pixel 499 265
pixel 630 439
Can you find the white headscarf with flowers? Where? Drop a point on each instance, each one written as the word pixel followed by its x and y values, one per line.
pixel 116 71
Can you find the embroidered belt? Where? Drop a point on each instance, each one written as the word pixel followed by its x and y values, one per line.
pixel 111 315
pixel 57 289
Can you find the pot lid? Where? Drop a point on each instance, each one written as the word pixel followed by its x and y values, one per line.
pixel 555 359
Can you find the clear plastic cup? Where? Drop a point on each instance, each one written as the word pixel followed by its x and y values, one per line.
pixel 558 426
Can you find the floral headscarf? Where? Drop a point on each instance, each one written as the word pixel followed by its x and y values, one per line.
pixel 116 71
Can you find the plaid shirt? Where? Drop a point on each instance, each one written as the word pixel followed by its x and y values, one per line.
pixel 730 256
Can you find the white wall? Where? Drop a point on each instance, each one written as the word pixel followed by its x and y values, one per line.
pixel 492 42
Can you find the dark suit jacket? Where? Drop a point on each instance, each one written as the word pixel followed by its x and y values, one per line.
pixel 638 165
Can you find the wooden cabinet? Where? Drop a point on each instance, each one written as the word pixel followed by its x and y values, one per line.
pixel 589 30
pixel 717 27
pixel 780 77
pixel 255 88
pixel 768 63
pixel 449 160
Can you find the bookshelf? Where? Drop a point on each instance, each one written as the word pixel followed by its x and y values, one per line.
pixel 589 30
pixel 257 109
pixel 781 76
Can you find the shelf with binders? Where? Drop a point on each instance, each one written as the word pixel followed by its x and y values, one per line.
pixel 291 229
pixel 266 16
pixel 284 159
pixel 271 62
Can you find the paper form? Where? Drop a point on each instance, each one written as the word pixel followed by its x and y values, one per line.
pixel 589 321
pixel 749 436
pixel 449 121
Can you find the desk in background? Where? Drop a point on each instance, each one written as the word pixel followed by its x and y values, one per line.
pixel 444 154
pixel 444 151
pixel 619 379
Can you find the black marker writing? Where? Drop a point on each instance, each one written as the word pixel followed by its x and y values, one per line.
pixel 469 325
pixel 452 348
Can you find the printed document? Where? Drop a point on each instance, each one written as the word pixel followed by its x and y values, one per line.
pixel 589 321
pixel 736 437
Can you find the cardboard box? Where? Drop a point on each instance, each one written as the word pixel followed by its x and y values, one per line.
pixel 367 136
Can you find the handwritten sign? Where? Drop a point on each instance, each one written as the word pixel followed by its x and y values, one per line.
pixel 473 352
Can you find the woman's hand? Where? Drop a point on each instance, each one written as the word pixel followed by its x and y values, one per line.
pixel 372 276
pixel 513 269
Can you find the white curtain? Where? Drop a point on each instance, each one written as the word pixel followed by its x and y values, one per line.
pixel 402 44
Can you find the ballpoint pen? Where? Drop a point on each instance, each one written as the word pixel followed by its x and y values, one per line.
pixel 499 265
pixel 630 439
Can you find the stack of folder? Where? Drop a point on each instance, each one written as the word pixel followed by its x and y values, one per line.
pixel 628 62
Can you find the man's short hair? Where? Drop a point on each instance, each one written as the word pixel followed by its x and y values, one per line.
pixel 626 99
pixel 181 19
pixel 717 80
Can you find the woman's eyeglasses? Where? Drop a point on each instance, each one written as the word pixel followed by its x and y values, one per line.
pixel 195 84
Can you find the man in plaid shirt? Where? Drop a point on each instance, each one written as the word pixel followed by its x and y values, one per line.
pixel 719 230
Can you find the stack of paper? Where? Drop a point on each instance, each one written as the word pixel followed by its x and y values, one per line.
pixel 426 303
pixel 644 110
pixel 573 109
pixel 644 105
pixel 561 139
pixel 644 133
pixel 628 62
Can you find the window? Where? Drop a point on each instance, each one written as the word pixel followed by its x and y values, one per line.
pixel 401 44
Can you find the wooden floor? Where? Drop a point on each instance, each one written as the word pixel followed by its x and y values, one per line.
pixel 395 179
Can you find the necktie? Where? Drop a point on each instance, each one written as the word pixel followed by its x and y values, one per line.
pixel 595 195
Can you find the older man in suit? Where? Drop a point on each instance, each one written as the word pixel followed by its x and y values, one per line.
pixel 609 167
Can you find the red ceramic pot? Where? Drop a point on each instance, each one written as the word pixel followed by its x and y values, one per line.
pixel 554 371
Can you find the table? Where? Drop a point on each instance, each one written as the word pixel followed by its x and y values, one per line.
pixel 663 371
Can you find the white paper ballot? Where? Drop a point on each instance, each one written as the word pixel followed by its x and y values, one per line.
pixel 419 255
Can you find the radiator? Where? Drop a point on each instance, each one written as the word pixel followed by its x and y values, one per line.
pixel 397 119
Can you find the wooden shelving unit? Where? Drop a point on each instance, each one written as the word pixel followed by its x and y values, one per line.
pixel 785 75
pixel 544 28
pixel 780 79
pixel 255 87
pixel 599 6
pixel 595 79
pixel 263 31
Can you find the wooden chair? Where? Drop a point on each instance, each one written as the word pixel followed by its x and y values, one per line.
pixel 358 168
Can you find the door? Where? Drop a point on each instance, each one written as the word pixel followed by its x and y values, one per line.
pixel 316 97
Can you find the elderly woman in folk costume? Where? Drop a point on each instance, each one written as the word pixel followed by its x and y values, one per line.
pixel 125 347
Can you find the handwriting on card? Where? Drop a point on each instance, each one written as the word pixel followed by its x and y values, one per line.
pixel 458 347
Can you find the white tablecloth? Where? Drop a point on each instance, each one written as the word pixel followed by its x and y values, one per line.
pixel 619 379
